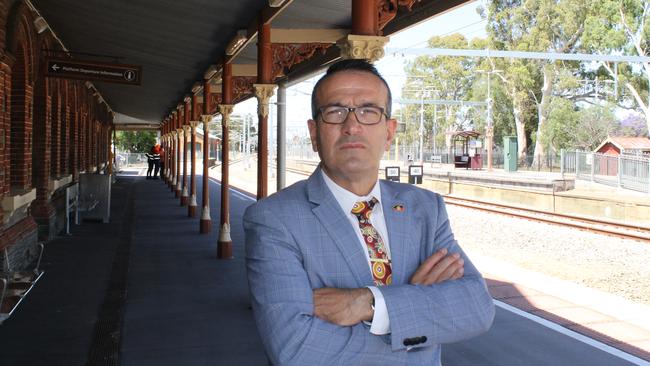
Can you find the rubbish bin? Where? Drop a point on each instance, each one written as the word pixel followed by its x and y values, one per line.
pixel 510 153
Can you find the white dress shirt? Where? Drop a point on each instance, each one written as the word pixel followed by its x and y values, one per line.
pixel 346 199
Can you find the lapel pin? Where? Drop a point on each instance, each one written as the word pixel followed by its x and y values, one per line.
pixel 399 207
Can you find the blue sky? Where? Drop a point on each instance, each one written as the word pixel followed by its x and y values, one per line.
pixel 464 20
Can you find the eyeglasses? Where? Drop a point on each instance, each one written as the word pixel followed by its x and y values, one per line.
pixel 368 115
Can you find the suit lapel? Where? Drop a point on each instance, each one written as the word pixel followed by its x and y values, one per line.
pixel 399 227
pixel 330 215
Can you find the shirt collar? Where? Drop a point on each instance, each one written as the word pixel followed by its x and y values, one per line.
pixel 347 199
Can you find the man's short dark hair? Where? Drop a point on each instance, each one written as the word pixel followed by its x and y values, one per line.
pixel 349 65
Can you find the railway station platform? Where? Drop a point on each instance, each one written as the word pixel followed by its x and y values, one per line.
pixel 147 289
pixel 552 192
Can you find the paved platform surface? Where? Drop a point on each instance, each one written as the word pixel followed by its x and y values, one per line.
pixel 147 289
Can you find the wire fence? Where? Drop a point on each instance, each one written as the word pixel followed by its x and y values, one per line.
pixel 409 154
pixel 623 171
pixel 124 160
pixel 629 172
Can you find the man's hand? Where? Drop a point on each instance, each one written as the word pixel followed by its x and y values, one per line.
pixel 344 307
pixel 437 268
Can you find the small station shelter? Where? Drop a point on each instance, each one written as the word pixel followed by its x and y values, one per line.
pixel 466 149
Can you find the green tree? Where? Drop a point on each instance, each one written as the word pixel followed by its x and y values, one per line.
pixel 563 121
pixel 135 141
pixel 442 78
pixel 623 26
pixel 538 26
pixel 595 124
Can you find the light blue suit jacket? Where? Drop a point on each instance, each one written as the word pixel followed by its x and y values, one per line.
pixel 299 240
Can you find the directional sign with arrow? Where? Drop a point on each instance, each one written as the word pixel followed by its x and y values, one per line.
pixel 91 70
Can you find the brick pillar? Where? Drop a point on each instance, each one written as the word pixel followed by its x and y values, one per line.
pixel 81 137
pixel 65 130
pixel 74 109
pixel 42 210
pixel 55 142
pixel 21 128
pixel 5 115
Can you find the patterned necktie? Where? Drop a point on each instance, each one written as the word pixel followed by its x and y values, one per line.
pixel 379 261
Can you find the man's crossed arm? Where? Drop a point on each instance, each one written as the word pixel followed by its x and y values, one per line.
pixel 347 307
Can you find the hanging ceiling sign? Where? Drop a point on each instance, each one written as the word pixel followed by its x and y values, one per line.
pixel 91 70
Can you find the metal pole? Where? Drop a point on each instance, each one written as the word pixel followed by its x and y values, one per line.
pixel 562 163
pixel 616 81
pixel 489 100
pixel 489 133
pixel 281 136
pixel 620 171
pixel 593 163
pixel 435 121
pixel 247 142
pixel 422 127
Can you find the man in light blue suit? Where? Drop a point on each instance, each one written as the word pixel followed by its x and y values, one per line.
pixel 345 269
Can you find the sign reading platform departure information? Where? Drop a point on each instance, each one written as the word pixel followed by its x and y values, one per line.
pixel 91 70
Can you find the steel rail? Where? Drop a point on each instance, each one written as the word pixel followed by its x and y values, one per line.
pixel 592 225
pixel 617 229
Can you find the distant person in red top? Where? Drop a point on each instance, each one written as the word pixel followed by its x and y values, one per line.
pixel 155 152
pixel 153 159
pixel 162 161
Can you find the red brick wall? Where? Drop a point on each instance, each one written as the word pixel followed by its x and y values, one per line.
pixel 5 115
pixel 16 232
pixel 4 10
pixel 74 139
pixel 42 149
pixel 51 127
pixel 65 131
pixel 55 142
pixel 21 123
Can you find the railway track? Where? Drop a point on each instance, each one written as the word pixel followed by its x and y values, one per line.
pixel 616 229
pixel 611 228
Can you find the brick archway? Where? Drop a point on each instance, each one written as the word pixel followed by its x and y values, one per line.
pixel 20 44
pixel 18 226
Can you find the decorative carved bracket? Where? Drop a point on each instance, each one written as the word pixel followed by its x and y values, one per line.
pixel 264 92
pixel 356 46
pixel 388 10
pixel 242 86
pixel 215 100
pixel 286 55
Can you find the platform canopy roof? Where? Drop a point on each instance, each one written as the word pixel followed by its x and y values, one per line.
pixel 176 42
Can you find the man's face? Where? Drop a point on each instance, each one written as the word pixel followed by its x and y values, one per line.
pixel 351 150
